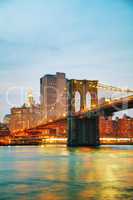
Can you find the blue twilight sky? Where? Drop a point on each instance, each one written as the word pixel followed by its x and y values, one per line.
pixel 90 39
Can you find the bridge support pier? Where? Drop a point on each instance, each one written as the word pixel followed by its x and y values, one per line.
pixel 83 132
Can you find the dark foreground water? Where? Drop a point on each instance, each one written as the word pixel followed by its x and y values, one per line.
pixel 61 173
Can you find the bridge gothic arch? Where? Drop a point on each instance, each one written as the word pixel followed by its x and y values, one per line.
pixel 83 95
pixel 77 101
pixel 88 100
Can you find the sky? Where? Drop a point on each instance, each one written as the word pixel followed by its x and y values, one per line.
pixel 86 39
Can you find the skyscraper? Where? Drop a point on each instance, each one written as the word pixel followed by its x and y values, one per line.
pixel 30 99
pixel 53 90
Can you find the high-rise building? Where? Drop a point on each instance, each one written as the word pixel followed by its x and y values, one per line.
pixel 53 90
pixel 30 99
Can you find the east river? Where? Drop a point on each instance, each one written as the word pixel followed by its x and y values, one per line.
pixel 61 173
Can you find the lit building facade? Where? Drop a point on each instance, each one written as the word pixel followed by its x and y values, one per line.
pixel 125 128
pixel 24 118
pixel 4 131
pixel 53 90
pixel 106 127
pixel 4 134
pixel 7 119
pixel 116 129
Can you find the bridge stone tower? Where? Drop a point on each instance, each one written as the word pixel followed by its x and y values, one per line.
pixel 83 129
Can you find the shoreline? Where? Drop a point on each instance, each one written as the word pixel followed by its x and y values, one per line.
pixel 43 144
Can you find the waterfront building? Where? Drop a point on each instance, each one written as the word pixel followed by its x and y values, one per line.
pixel 4 130
pixel 106 127
pixel 4 134
pixel 125 127
pixel 118 128
pixel 7 119
pixel 24 118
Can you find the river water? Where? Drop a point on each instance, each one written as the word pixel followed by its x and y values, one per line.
pixel 61 173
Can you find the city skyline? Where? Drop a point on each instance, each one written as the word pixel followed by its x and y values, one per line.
pixel 66 99
pixel 86 40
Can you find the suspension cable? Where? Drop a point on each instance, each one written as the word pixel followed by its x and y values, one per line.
pixel 114 89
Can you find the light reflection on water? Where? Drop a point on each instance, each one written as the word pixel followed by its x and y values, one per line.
pixel 61 173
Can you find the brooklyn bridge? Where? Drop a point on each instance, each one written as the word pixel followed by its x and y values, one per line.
pixel 81 123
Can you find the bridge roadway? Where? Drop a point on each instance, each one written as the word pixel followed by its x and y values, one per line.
pixel 106 109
